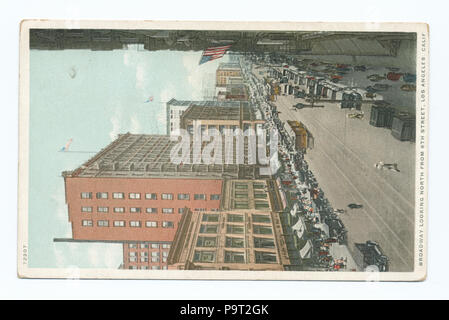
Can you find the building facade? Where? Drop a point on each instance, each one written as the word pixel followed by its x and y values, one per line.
pixel 246 235
pixel 176 108
pixel 227 71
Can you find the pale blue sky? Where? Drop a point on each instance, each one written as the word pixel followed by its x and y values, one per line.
pixel 106 97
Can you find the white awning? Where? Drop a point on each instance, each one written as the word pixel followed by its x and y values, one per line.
pixel 306 251
pixel 299 228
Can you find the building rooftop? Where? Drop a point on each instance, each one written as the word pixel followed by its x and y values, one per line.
pixel 148 156
pixel 228 65
pixel 243 112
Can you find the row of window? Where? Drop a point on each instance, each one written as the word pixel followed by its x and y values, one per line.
pixel 145 254
pixel 232 217
pixel 146 267
pixel 88 209
pixel 234 257
pixel 122 223
pixel 149 196
pixel 235 229
pixel 235 242
pixel 147 246
pixel 145 259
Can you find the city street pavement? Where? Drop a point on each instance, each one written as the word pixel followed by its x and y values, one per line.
pixel 342 159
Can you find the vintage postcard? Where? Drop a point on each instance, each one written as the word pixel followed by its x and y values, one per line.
pixel 205 150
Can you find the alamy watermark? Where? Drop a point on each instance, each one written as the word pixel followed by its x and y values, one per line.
pixel 226 146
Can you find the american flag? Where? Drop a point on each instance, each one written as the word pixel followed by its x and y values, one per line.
pixel 213 53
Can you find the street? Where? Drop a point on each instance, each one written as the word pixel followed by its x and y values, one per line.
pixel 342 159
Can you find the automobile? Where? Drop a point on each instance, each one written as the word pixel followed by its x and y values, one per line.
pixel 375 77
pixel 370 95
pixel 408 87
pixel 394 76
pixel 409 77
pixel 373 255
pixel 360 68
pixel 394 69
pixel 355 206
pixel 356 115
pixel 381 87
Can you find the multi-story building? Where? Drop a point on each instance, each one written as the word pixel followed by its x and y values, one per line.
pixel 242 116
pixel 245 235
pixel 131 192
pixel 175 109
pixel 233 92
pixel 227 71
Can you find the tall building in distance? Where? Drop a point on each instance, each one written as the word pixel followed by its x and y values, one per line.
pixel 226 72
pixel 176 108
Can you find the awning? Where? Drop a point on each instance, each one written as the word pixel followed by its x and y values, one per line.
pixel 322 226
pixel 299 228
pixel 306 251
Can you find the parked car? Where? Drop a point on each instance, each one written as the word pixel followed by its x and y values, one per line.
pixel 355 206
pixel 394 76
pixel 360 68
pixel 375 77
pixel 408 87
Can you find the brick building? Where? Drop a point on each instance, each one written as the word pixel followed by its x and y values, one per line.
pixel 131 193
pixel 227 71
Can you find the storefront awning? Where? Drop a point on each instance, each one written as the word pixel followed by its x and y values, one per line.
pixel 306 251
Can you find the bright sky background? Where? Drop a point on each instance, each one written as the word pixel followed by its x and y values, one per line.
pixel 106 97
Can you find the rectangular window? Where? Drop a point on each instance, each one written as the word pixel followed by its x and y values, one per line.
pixel 150 196
pixel 200 196
pixel 183 196
pixel 132 246
pixel 200 209
pixel 154 246
pixel 155 254
pixel 206 242
pixel 167 196
pixel 155 267
pixel 258 185
pixel 165 254
pixel 204 256
pixel 143 267
pixel 86 209
pixel 265 257
pixel 134 196
pixel 260 195
pixel 215 197
pixel 134 224
pixel 103 223
pixel 154 259
pixel 234 257
pixel 261 205
pixel 102 195
pixel 103 209
pixel 258 229
pixel 266 243
pixel 151 210
pixel 167 224
pixel 119 223
pixel 119 210
pixel 143 259
pixel 261 218
pixel 167 210
pixel 241 186
pixel 209 228
pixel 235 217
pixel 235 229
pixel 210 217
pixel 132 267
pixel 232 242
pixel 165 246
pixel 151 224
pixel 164 267
pixel 132 259
pixel 134 210
pixel 181 210
pixel 241 204
pixel 118 195
pixel 144 246
pixel 87 223
pixel 86 195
